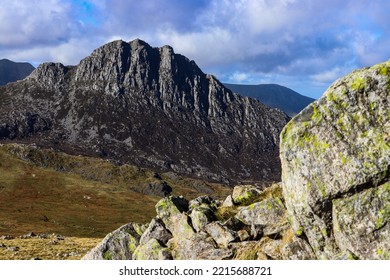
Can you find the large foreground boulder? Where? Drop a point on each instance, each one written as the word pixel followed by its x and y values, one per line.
pixel 335 168
pixel 119 244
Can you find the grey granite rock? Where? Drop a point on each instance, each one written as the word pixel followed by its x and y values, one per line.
pixel 118 245
pixel 335 158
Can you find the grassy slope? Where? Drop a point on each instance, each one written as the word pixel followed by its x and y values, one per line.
pixel 45 191
pixel 68 248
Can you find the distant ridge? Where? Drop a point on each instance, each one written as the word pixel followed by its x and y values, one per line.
pixel 273 95
pixel 11 71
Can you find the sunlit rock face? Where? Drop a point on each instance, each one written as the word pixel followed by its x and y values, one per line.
pixel 335 159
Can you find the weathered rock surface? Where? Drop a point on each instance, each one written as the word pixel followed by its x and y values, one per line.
pixel 364 219
pixel 145 106
pixel 245 195
pixel 157 231
pixel 335 159
pixel 201 216
pixel 298 249
pixel 221 234
pixel 118 245
pixel 269 213
pixel 151 250
pixel 159 188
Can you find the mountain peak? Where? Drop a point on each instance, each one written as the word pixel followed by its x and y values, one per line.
pixel 147 106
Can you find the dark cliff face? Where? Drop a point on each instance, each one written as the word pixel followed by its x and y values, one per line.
pixel 148 106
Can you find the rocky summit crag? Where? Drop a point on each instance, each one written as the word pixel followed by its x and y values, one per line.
pixel 333 202
pixel 147 106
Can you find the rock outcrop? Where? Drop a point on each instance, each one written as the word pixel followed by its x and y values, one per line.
pixel 336 168
pixel 119 244
pixel 149 107
pixel 206 229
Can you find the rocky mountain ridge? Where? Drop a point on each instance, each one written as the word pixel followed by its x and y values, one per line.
pixel 147 106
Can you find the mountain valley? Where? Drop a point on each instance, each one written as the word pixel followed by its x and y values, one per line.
pixel 137 145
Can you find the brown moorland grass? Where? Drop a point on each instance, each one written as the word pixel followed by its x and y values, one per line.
pixel 82 198
pixel 68 248
pixel 89 197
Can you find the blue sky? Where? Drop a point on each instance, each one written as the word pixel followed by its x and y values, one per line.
pixel 301 44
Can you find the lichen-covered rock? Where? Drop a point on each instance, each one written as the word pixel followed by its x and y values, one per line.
pixel 169 210
pixel 202 229
pixel 360 218
pixel 155 230
pixel 228 202
pixel 245 194
pixel 119 244
pixel 199 247
pixel 181 226
pixel 297 249
pixel 331 153
pixel 248 250
pixel 201 216
pixel 221 234
pixel 243 235
pixel 269 213
pixel 151 250
pixel 272 248
pixel 202 200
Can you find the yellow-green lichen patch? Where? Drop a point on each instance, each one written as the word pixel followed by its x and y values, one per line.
pixel 344 159
pixel 107 255
pixel 287 131
pixel 299 231
pixel 132 243
pixel 331 97
pixel 317 116
pixel 382 68
pixel 315 145
pixel 358 84
pixel 149 251
pixel 383 71
pixel 383 217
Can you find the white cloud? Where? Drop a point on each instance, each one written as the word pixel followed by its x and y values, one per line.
pixel 239 78
pixel 67 53
pixel 329 76
pixel 303 41
pixel 34 22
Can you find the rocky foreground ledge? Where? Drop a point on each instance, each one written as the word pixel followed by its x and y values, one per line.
pixel 249 224
pixel 333 203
